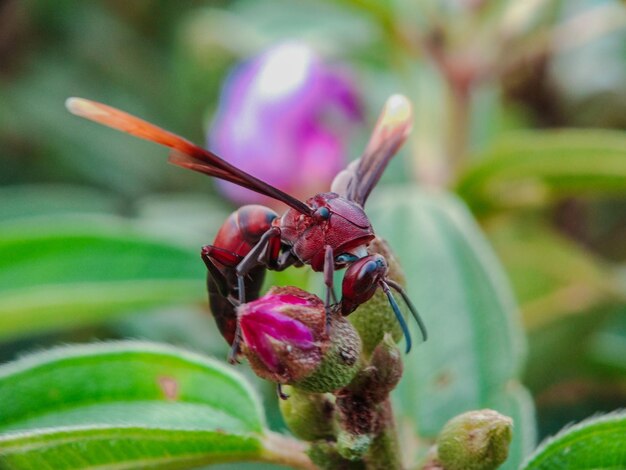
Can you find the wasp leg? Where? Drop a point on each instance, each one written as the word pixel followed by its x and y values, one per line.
pixel 251 260
pixel 222 302
pixel 283 261
pixel 279 391
pixel 247 264
pixel 329 275
pixel 210 253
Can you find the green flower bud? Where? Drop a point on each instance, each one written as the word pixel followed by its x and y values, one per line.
pixel 476 440
pixel 308 416
pixel 340 360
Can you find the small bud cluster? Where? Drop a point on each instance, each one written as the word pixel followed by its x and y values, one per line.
pixel 338 390
pixel 338 373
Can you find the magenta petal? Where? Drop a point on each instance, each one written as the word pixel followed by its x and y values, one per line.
pixel 280 327
pixel 260 344
pixel 258 326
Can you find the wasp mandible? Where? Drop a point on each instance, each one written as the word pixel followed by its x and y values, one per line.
pixel 328 231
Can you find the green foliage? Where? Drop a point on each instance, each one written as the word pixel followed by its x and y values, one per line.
pixel 553 277
pixel 596 443
pixel 68 259
pixel 57 273
pixel 126 404
pixel 476 348
pixel 535 167
pixel 23 201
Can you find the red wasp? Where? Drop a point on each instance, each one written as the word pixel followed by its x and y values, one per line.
pixel 329 231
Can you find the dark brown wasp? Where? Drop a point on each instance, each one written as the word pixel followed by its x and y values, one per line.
pixel 328 231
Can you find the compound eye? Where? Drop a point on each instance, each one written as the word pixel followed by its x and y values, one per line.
pixel 346 258
pixel 323 213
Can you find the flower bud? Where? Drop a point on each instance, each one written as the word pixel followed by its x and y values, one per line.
pixel 285 116
pixel 286 340
pixel 382 374
pixel 340 362
pixel 476 440
pixel 308 416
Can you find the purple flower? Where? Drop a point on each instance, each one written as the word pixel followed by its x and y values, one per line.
pixel 284 117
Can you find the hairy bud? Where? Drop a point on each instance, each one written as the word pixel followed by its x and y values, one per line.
pixel 308 416
pixel 476 440
pixel 286 340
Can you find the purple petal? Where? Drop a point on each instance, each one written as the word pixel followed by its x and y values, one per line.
pixel 277 120
pixel 260 344
pixel 278 326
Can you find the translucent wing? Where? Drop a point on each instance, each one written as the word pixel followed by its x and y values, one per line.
pixel 184 153
pixel 391 131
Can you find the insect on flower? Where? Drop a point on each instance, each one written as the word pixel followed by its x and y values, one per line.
pixel 329 231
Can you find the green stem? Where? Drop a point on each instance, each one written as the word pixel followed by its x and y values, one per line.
pixel 283 450
pixel 385 450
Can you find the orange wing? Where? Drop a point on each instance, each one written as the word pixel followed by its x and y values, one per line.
pixel 391 131
pixel 185 153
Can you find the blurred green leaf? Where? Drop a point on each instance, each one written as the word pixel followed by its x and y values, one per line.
pixel 596 443
pixel 336 28
pixel 34 200
pixel 607 347
pixel 553 277
pixel 66 272
pixel 534 167
pixel 125 405
pixel 476 347
pixel 558 350
pixel 189 219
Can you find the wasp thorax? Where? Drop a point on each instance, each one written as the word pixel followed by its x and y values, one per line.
pixel 286 340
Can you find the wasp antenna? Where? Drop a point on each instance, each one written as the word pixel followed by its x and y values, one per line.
pixel 399 317
pixel 398 288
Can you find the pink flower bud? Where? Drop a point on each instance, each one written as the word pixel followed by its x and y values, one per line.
pixel 286 340
pixel 283 333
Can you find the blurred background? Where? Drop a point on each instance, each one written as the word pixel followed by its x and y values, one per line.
pixel 520 111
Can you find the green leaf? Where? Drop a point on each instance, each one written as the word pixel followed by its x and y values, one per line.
pixel 74 272
pixel 607 347
pixel 553 277
pixel 596 443
pixel 19 202
pixel 476 346
pixel 534 167
pixel 125 405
